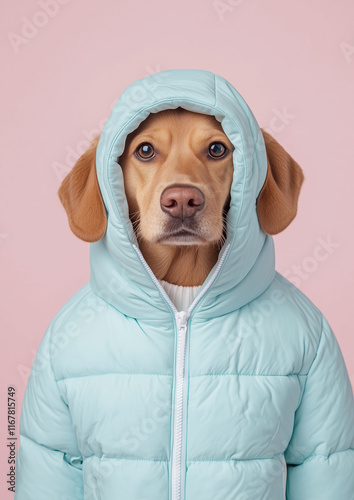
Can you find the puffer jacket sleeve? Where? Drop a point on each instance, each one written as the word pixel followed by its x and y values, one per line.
pixel 320 454
pixel 48 464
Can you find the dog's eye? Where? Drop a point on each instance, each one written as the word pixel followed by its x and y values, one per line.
pixel 145 151
pixel 217 150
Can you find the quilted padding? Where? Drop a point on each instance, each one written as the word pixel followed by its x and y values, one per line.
pixel 267 409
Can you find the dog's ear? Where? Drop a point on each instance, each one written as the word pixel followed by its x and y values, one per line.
pixel 81 197
pixel 277 200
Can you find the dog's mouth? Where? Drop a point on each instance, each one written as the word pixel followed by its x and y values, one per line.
pixel 181 237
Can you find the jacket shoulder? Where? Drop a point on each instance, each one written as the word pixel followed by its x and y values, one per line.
pixel 295 318
pixel 296 298
pixel 68 311
pixel 67 332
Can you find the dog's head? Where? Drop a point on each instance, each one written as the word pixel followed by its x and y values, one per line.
pixel 178 169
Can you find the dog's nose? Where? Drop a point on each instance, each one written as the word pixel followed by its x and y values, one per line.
pixel 182 201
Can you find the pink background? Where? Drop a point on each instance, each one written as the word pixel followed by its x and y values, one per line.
pixel 62 73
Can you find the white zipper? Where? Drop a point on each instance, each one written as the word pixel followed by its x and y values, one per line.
pixel 181 319
pixel 177 477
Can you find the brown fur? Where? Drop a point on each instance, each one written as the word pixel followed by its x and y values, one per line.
pixel 277 200
pixel 81 198
pixel 180 138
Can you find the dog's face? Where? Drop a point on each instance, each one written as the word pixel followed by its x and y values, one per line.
pixel 177 168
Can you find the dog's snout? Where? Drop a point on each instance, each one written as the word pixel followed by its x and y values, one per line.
pixel 182 201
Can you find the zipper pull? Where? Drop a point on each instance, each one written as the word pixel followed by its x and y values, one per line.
pixel 182 318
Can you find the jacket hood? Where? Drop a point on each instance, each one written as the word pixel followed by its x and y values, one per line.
pixel 248 262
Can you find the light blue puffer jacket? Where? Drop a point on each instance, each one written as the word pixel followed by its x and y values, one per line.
pixel 245 396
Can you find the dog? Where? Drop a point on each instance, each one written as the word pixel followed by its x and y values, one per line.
pixel 178 169
pixel 187 367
